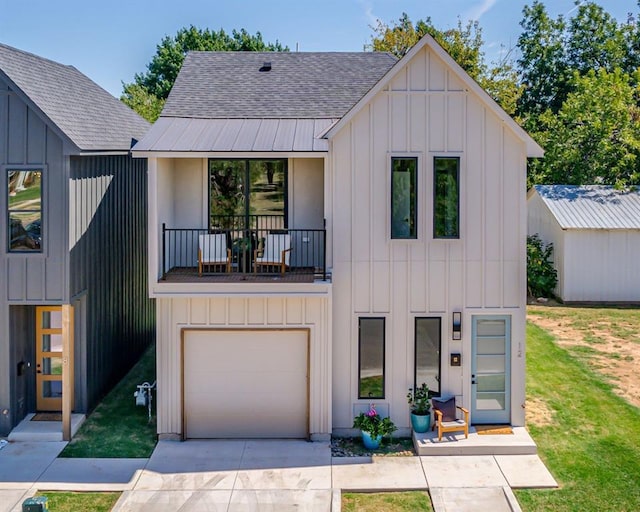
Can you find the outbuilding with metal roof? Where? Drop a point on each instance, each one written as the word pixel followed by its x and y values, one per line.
pixel 595 232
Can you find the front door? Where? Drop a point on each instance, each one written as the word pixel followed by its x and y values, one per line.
pixel 491 369
pixel 49 358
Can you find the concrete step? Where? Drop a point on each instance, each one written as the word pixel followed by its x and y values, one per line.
pixel 454 443
pixel 43 431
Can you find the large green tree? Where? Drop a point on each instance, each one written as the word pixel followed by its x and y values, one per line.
pixel 542 63
pixel 580 98
pixel 595 137
pixel 147 93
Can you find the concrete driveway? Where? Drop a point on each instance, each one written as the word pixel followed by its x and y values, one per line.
pixel 233 476
pixel 265 475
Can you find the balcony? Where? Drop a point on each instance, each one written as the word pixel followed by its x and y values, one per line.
pixel 241 246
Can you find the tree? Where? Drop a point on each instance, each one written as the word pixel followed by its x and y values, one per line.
pixel 142 101
pixel 542 277
pixel 595 137
pixel 464 43
pixel 594 40
pixel 542 64
pixel 148 91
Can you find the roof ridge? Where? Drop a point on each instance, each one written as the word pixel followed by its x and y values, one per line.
pixel 37 57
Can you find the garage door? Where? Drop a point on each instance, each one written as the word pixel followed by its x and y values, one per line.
pixel 245 384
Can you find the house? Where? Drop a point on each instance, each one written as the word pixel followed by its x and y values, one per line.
pixel 74 312
pixel 398 185
pixel 595 232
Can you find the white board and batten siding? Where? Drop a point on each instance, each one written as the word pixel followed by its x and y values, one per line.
pixel 288 335
pixel 425 111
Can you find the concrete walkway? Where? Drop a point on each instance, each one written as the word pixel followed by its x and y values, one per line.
pixel 234 476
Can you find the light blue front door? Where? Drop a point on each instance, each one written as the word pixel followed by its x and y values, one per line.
pixel 491 369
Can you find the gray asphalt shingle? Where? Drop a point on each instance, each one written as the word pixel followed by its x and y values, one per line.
pixel 87 114
pixel 230 85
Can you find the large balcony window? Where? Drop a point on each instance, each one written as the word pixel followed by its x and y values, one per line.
pixel 248 194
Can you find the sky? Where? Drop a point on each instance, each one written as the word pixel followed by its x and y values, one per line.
pixel 112 40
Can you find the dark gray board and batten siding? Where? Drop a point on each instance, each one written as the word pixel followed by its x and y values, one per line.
pixel 108 231
pixel 93 256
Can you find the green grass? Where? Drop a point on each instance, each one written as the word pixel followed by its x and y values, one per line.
pixel 117 427
pixel 371 387
pixel 620 322
pixel 410 501
pixel 75 501
pixel 592 446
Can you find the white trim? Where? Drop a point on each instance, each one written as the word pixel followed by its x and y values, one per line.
pixel 533 149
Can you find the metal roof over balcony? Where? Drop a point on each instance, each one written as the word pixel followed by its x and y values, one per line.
pixel 177 134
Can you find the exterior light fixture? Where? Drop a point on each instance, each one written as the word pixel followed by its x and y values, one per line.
pixel 457 325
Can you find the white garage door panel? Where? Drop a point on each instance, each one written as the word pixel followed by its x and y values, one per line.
pixel 245 384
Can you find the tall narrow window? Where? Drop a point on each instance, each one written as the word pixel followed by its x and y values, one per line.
pixel 446 197
pixel 403 197
pixel 371 358
pixel 428 353
pixel 24 210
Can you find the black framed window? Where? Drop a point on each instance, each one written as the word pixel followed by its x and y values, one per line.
pixel 24 210
pixel 248 193
pixel 446 197
pixel 404 207
pixel 428 346
pixel 371 358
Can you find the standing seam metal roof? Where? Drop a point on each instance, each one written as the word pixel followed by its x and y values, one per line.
pixel 592 206
pixel 87 114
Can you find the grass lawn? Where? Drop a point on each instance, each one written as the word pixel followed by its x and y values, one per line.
pixel 410 501
pixel 117 427
pixel 591 439
pixel 75 501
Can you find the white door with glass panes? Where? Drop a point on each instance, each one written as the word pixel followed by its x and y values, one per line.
pixel 491 369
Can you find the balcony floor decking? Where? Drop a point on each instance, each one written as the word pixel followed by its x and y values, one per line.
pixel 190 275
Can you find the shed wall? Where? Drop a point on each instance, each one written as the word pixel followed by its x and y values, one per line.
pixel 425 112
pixel 601 266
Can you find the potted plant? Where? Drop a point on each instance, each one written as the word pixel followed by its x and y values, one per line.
pixel 420 406
pixel 373 427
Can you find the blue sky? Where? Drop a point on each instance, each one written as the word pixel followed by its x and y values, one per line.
pixel 111 40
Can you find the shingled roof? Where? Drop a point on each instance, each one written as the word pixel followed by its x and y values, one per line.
pixel 238 85
pixel 84 112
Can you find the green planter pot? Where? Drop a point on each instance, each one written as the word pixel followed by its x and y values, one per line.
pixel 370 442
pixel 420 423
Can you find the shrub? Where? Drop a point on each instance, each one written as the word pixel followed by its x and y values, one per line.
pixel 541 275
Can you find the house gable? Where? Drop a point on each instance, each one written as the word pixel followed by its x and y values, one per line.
pixel 436 79
pixel 86 116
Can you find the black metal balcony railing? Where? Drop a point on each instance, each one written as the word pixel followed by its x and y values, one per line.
pixel 180 249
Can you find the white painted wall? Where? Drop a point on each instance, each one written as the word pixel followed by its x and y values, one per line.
pixel 254 313
pixel 426 111
pixel 601 266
